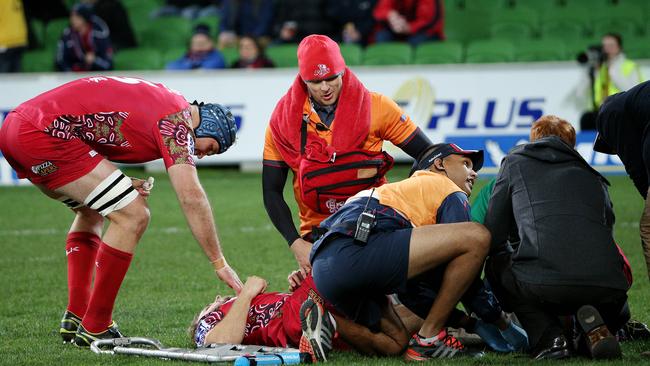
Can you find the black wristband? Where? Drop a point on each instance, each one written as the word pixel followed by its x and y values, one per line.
pixel 290 242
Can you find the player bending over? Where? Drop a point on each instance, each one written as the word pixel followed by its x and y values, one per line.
pixel 65 140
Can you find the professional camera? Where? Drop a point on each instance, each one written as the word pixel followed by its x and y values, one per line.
pixel 592 56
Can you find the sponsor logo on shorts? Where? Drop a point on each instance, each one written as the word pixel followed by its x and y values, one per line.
pixel 333 205
pixel 92 153
pixel 44 169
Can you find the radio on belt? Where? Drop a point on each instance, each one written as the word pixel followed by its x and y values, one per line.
pixel 365 223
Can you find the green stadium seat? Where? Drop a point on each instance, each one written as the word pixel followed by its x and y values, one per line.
pixel 447 52
pixel 151 4
pixel 163 33
pixel 577 13
pixel 588 4
pixel 283 55
pixel 38 61
pixel 451 5
pixel 642 5
pixel 137 59
pixel 140 11
pixel 352 53
pixel 172 54
pixel 53 31
pixel 625 19
pixel 487 51
pixel 541 50
pixel 515 32
pixel 487 6
pixel 388 53
pixel 514 23
pixel 230 55
pixel 212 22
pixel 38 30
pixel 556 28
pixel 574 46
pixel 466 26
pixel 521 14
pixel 625 29
pixel 574 20
pixel 537 5
pixel 636 47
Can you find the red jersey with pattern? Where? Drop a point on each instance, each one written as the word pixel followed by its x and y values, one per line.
pixel 273 318
pixel 125 119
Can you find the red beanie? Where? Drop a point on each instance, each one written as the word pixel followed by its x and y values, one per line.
pixel 319 58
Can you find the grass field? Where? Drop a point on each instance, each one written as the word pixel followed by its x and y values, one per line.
pixel 170 279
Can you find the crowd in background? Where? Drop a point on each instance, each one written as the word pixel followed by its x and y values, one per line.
pixel 236 33
pixel 98 28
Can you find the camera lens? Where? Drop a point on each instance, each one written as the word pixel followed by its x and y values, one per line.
pixel 582 58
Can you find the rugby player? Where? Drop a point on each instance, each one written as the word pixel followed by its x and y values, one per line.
pixel 65 140
pixel 296 319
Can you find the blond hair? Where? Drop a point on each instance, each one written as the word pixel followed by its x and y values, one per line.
pixel 213 306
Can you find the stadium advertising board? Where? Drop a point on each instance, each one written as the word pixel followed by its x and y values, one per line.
pixel 478 106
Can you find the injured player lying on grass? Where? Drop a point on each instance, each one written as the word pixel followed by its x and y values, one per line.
pixel 299 319
pixel 295 319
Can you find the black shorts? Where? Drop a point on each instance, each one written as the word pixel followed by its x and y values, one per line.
pixel 356 278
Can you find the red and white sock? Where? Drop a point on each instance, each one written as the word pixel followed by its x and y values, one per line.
pixel 112 265
pixel 80 250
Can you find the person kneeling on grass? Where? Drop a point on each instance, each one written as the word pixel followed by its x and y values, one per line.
pixel 404 248
pixel 553 252
pixel 295 319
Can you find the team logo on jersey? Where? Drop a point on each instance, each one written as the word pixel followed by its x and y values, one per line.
pixel 333 205
pixel 44 169
pixel 321 70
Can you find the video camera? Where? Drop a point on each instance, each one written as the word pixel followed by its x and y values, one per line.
pixel 592 56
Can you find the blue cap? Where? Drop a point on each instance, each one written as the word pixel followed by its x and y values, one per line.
pixel 218 123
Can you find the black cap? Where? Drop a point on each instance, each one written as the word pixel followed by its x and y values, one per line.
pixel 84 10
pixel 439 151
pixel 202 28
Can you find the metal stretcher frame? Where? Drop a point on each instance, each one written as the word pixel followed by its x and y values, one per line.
pixel 148 347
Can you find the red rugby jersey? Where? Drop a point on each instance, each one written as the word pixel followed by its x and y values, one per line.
pixel 125 119
pixel 273 318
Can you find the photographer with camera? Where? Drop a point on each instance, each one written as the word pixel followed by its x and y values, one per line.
pixel 616 73
pixel 610 72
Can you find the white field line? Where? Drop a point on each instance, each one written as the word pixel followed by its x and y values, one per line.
pixel 167 230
